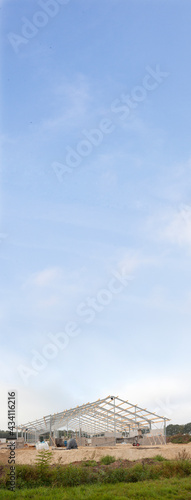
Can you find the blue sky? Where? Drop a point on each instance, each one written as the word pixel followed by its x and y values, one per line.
pixel 122 207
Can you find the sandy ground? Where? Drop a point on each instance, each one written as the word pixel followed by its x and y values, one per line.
pixel 123 451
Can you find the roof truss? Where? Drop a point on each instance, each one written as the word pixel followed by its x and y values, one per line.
pixel 109 414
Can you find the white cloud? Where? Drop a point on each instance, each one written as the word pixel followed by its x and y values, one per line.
pixel 73 100
pixel 178 229
pixel 129 263
pixel 46 277
pixel 168 396
pixel 133 259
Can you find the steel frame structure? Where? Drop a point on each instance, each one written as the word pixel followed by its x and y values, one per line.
pixel 111 414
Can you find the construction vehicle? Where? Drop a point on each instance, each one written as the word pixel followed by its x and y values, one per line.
pixel 137 438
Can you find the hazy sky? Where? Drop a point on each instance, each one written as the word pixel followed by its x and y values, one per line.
pixel 95 229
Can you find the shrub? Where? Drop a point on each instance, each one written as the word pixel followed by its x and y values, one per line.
pixel 4 478
pixel 74 476
pixel 89 463
pixel 27 476
pixel 43 460
pixel 159 458
pixel 42 466
pixel 137 473
pixel 107 459
pixel 115 476
pixel 179 439
pixel 30 476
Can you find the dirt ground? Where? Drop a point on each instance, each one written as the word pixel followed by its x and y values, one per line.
pixel 120 451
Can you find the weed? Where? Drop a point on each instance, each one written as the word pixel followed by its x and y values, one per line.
pixel 43 460
pixel 42 465
pixel 183 455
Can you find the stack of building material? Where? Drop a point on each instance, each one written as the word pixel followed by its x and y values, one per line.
pixel 20 442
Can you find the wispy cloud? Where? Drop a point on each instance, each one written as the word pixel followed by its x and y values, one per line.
pixel 46 277
pixel 72 100
pixel 177 230
pixel 160 396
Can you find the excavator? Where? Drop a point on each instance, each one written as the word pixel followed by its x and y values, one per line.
pixel 137 438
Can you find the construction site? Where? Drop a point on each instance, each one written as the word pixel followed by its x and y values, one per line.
pixel 105 422
pixel 107 426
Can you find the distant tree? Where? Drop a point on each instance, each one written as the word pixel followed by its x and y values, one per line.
pixel 171 429
pixel 6 434
pixel 187 428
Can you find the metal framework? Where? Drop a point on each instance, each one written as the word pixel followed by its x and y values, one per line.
pixel 111 414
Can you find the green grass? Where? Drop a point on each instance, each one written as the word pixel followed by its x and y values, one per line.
pixel 165 489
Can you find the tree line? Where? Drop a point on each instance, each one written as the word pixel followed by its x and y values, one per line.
pixel 172 430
